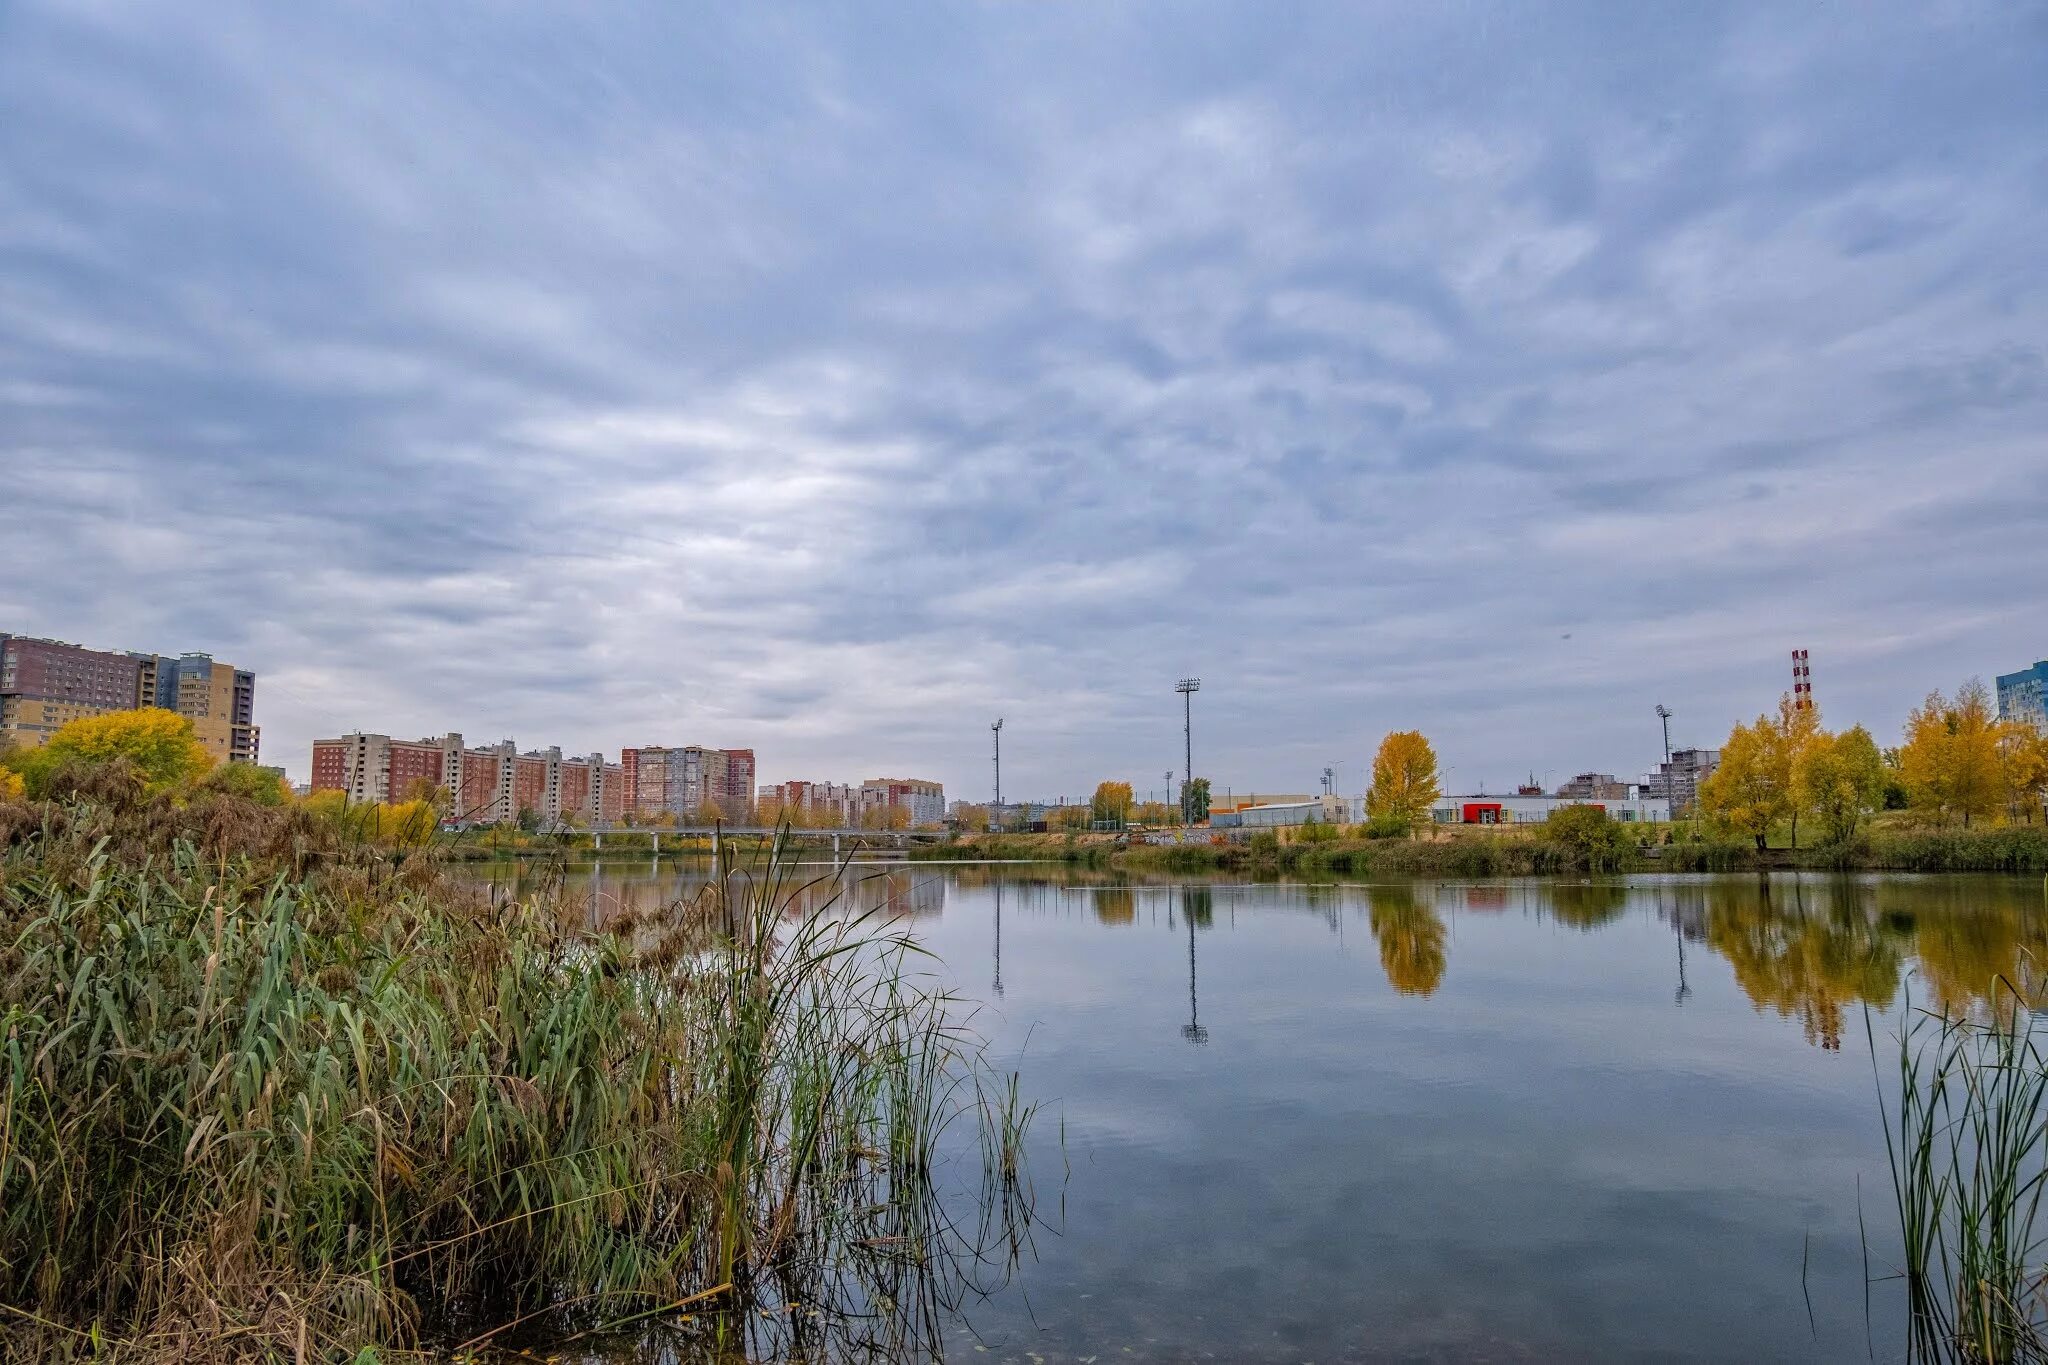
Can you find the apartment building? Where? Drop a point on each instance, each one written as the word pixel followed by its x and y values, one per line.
pixel 1678 781
pixel 45 684
pixel 924 801
pixel 488 784
pixel 1593 787
pixel 683 780
pixel 2023 696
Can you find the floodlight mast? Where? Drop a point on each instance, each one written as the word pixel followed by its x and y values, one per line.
pixel 1187 687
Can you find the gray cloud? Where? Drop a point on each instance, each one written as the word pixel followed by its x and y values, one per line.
pixel 835 381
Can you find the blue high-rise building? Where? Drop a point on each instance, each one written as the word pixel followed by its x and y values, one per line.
pixel 2023 696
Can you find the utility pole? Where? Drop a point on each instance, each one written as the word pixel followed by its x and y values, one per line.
pixel 1187 687
pixel 1664 714
pixel 997 731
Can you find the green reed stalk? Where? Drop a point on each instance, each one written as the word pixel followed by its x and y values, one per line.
pixel 1968 1150
pixel 270 1093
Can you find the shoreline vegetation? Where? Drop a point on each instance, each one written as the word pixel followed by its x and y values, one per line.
pixel 1334 851
pixel 278 1091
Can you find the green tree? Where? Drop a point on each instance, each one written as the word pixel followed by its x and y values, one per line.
pixel 1404 780
pixel 1587 834
pixel 1841 779
pixel 1111 803
pixel 1194 800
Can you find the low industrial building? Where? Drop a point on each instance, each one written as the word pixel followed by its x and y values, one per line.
pixel 1315 810
pixel 1535 809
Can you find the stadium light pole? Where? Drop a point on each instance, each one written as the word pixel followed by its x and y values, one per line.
pixel 997 731
pixel 1187 687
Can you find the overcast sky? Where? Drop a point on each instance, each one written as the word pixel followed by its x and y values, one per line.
pixel 834 380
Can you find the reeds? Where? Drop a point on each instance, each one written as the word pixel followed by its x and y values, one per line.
pixel 264 1105
pixel 1968 1152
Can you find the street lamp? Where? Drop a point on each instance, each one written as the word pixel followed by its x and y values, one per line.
pixel 1187 687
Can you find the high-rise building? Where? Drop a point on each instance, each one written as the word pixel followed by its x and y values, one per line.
pixel 1591 787
pixel 685 780
pixel 46 683
pixel 2023 696
pixel 925 802
pixel 1678 781
pixel 492 784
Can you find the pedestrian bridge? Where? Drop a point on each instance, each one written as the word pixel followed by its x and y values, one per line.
pixel 838 838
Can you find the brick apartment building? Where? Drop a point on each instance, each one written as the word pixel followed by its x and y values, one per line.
pixel 682 780
pixel 923 802
pixel 490 784
pixel 45 684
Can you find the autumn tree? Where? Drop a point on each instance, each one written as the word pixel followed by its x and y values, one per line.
pixel 2023 769
pixel 1950 761
pixel 1840 779
pixel 159 743
pixel 249 782
pixel 1747 792
pixel 1153 813
pixel 12 786
pixel 972 819
pixel 1111 803
pixel 1404 780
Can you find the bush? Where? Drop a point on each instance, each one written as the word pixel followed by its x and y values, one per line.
pixel 1388 827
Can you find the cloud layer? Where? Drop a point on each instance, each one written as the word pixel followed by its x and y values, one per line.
pixel 834 381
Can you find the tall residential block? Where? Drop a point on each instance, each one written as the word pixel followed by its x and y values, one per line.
pixel 924 801
pixel 46 683
pixel 2023 696
pixel 684 780
pixel 489 784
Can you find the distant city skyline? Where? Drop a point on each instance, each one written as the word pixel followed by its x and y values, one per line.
pixel 835 382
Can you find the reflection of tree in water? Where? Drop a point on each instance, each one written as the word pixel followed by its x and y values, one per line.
pixel 1198 903
pixel 1976 950
pixel 1116 905
pixel 1587 905
pixel 1411 939
pixel 1805 956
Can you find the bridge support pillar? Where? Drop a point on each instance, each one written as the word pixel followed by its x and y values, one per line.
pixel 657 843
pixel 835 846
pixel 597 840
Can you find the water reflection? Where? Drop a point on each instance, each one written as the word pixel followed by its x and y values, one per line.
pixel 1411 939
pixel 1504 1129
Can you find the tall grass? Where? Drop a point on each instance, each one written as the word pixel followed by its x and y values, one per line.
pixel 1968 1152
pixel 270 1094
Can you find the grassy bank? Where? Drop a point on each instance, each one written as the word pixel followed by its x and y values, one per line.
pixel 273 1095
pixel 1519 853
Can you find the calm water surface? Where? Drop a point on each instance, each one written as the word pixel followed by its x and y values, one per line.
pixel 1519 1120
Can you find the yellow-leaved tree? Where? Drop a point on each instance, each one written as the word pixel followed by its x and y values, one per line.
pixel 1748 791
pixel 1111 802
pixel 1950 761
pixel 12 787
pixel 158 743
pixel 1839 779
pixel 2023 769
pixel 1404 780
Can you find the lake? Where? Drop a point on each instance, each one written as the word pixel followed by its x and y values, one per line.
pixel 1604 1119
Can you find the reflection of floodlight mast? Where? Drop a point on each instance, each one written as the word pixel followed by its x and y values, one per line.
pixel 1187 687
pixel 999 938
pixel 1192 1030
